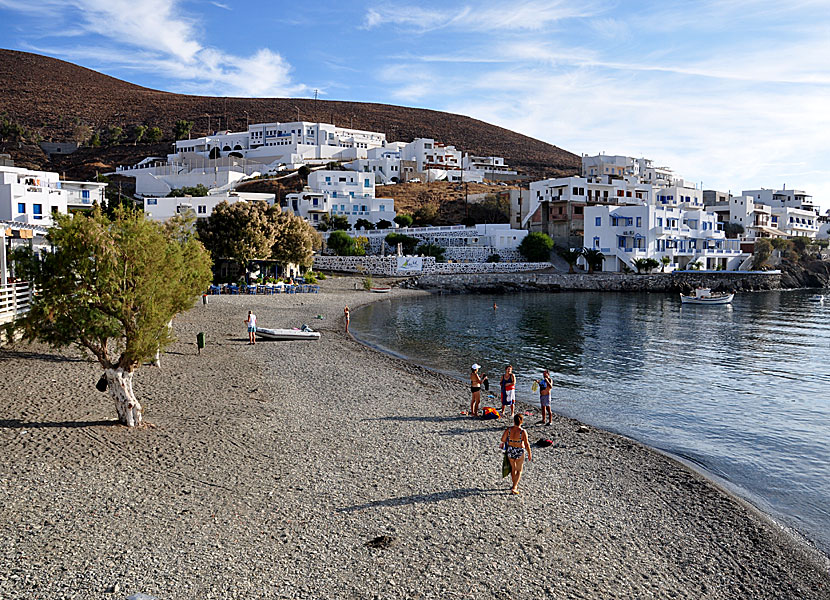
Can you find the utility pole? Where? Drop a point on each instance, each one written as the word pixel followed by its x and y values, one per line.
pixel 315 94
pixel 246 119
pixel 208 118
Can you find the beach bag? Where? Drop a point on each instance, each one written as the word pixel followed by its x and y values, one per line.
pixel 535 386
pixel 543 443
pixel 101 386
pixel 505 463
pixel 489 413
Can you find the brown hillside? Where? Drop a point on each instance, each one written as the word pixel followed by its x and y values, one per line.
pixel 51 98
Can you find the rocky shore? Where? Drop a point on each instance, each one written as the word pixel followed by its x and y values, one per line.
pixel 328 470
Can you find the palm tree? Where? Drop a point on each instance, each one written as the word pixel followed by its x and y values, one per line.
pixel 666 262
pixel 645 264
pixel 594 258
pixel 570 256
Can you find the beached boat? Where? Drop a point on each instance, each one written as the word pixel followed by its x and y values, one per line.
pixel 706 296
pixel 287 334
pixel 816 298
pixel 380 290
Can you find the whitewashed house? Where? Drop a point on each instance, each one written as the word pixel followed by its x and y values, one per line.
pixel 32 197
pixel 791 215
pixel 628 232
pixel 347 193
pixel 161 209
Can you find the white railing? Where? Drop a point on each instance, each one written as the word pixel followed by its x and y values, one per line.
pixel 15 300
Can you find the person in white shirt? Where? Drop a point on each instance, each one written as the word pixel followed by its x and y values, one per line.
pixel 251 323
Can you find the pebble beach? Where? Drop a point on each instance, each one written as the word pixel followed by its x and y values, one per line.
pixel 326 469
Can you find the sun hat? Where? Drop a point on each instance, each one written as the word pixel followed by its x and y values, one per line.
pixel 475 366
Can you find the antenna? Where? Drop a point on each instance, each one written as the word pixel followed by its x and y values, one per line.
pixel 315 93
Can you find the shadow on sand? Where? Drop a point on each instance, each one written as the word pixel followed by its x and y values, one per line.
pixel 19 424
pixel 26 355
pixel 425 498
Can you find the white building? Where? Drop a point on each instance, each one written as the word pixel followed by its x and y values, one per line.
pixel 629 232
pixel 791 215
pixel 161 209
pixel 156 177
pixel 32 197
pixel 783 199
pixel 479 168
pixel 347 193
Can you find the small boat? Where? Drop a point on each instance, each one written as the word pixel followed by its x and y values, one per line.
pixel 287 334
pixel 816 298
pixel 706 296
pixel 380 290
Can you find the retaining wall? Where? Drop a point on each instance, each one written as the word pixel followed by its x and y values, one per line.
pixel 388 265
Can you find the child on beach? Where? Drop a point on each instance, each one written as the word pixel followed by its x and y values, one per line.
pixel 508 390
pixel 545 385
pixel 514 441
pixel 251 323
pixel 346 315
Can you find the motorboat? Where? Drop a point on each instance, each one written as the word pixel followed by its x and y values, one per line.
pixel 380 290
pixel 304 333
pixel 706 296
pixel 816 298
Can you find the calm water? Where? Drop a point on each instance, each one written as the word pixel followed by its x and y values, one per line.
pixel 739 391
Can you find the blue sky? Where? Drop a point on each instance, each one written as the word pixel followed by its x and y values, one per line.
pixel 733 93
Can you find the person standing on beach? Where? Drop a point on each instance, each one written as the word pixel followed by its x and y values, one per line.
pixel 251 323
pixel 545 385
pixel 346 315
pixel 514 441
pixel 508 390
pixel 476 382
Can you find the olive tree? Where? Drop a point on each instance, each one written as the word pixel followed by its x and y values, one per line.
pixel 111 287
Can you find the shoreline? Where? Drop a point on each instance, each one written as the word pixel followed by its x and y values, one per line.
pixel 269 468
pixel 731 490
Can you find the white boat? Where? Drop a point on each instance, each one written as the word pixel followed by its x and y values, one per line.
pixel 287 334
pixel 706 296
pixel 380 290
pixel 816 298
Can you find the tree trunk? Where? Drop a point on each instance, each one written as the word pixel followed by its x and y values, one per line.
pixel 120 385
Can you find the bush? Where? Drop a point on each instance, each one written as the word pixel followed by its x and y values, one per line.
pixel 341 243
pixel 407 242
pixel 433 250
pixel 403 220
pixel 493 258
pixel 763 250
pixel 383 224
pixel 364 224
pixel 536 247
pixel 367 282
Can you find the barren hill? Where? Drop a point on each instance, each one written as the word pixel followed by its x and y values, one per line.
pixel 53 99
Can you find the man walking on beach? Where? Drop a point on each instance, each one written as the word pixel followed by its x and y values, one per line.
pixel 251 323
pixel 508 390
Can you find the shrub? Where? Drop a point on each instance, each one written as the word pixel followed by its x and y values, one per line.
pixel 341 243
pixel 763 249
pixel 493 258
pixel 403 220
pixel 536 247
pixel 433 250
pixel 384 224
pixel 407 242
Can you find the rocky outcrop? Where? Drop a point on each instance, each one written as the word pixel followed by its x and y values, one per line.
pixel 809 274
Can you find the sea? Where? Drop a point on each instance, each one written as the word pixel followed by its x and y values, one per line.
pixel 739 392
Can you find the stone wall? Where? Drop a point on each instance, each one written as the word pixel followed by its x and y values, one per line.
pixel 657 282
pixel 388 265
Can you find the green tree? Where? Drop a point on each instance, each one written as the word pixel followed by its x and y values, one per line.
pixel 431 250
pixel 95 140
pixel 732 230
pixel 536 247
pixel 81 134
pixel 182 128
pixel 780 243
pixel 111 287
pixel 242 231
pixel 570 255
pixel 407 242
pixel 403 219
pixel 114 135
pixel 425 215
pixel 303 172
pixel 361 245
pixel 645 264
pixel 294 240
pixel 341 243
pixel 198 191
pixel 384 224
pixel 364 224
pixel 800 244
pixel 494 209
pixel 138 133
pixel 339 222
pixel 665 262
pixel 594 258
pixel 154 135
pixel 761 253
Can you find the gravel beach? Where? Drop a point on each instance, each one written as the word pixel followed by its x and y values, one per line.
pixel 266 470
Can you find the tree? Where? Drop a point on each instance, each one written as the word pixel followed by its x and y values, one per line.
pixel 361 245
pixel 383 224
pixel 95 140
pixel 154 135
pixel 666 261
pixel 138 133
pixel 594 258
pixel 295 240
pixel 339 222
pixel 242 231
pixel 407 242
pixel 111 287
pixel 199 191
pixel 425 215
pixel 341 243
pixel 403 220
pixel 762 251
pixel 114 134
pixel 182 128
pixel 571 255
pixel 732 230
pixel 536 247
pixel 81 134
pixel 431 250
pixel 494 209
pixel 645 264
pixel 364 224
pixel 303 172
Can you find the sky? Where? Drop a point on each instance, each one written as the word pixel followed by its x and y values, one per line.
pixel 731 94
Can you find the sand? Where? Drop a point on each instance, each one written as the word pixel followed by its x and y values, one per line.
pixel 266 470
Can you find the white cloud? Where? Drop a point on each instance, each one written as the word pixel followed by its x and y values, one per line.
pixel 164 41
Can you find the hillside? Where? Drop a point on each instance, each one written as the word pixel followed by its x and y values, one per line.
pixel 55 100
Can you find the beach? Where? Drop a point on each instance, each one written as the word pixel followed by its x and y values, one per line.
pixel 266 470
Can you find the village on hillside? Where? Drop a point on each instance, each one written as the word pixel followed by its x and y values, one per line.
pixel 620 214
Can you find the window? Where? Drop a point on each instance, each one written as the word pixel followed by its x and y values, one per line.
pixel 598 221
pixel 37 211
pixel 620 241
pixel 201 209
pixel 596 242
pixel 639 221
pixel 382 208
pixel 151 201
pixel 85 194
pixel 314 201
pixel 21 208
pixel 367 183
